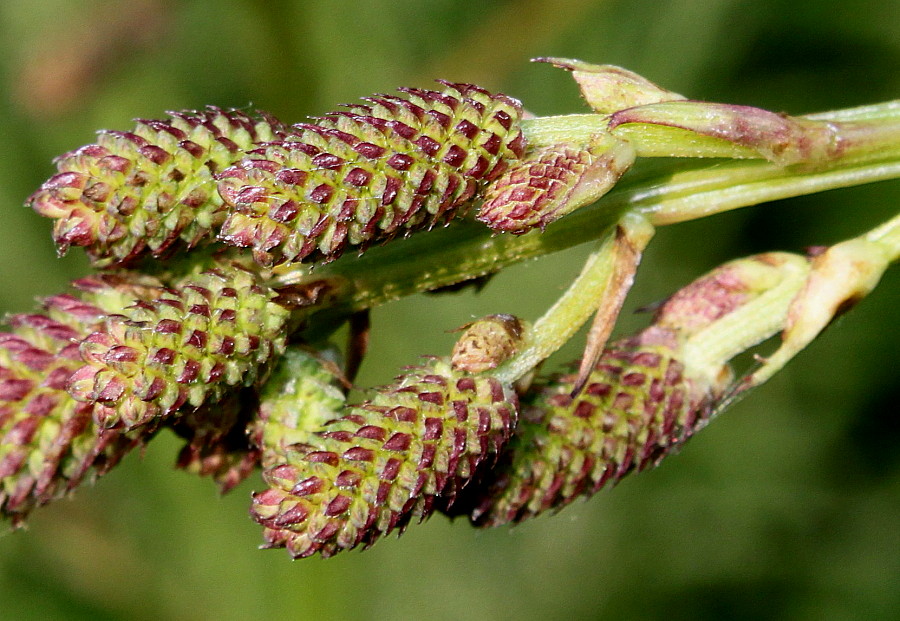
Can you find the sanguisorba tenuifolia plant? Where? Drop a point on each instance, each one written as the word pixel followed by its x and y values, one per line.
pixel 219 242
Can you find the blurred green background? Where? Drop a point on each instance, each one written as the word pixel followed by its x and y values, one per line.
pixel 785 508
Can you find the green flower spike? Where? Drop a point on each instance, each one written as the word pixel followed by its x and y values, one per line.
pixel 370 172
pixel 386 461
pixel 144 191
pixel 303 393
pixel 188 346
pixel 49 441
pixel 645 397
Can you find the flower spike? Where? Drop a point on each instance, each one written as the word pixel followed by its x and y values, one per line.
pixel 380 464
pixel 302 395
pixel 368 173
pixel 217 443
pixel 150 189
pixel 187 346
pixel 553 181
pixel 50 443
pixel 636 407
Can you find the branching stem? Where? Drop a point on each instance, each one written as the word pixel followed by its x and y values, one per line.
pixel 681 190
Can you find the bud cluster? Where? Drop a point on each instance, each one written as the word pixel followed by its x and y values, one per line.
pixel 210 201
pixel 385 462
pixel 370 172
pixel 146 190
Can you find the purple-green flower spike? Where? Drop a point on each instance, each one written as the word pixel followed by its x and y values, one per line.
pixel 147 190
pixel 49 440
pixel 370 172
pixel 637 406
pixel 385 462
pixel 187 346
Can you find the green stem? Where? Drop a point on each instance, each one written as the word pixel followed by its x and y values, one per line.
pixel 647 140
pixel 699 193
pixel 887 235
pixel 586 293
pixel 840 277
pixel 566 316
pixel 857 133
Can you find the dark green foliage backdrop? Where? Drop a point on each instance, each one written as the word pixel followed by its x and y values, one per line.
pixel 786 508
